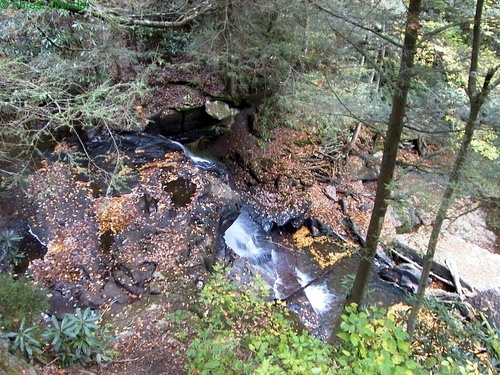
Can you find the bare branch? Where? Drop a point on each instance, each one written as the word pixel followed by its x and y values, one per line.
pixel 487 85
pixel 142 20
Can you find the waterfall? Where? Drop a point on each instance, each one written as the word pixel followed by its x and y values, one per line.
pixel 243 237
pixel 201 163
pixel 279 266
pixel 318 295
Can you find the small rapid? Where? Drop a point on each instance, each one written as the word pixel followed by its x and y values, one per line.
pixel 293 275
pixel 200 162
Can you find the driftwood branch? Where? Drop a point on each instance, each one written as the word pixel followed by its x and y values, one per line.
pixel 452 266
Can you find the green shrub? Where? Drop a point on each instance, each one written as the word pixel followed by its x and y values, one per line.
pixel 240 333
pixel 19 299
pixel 78 339
pixel 9 252
pixel 372 343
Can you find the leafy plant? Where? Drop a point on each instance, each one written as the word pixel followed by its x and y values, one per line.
pixel 26 340
pixel 78 339
pixel 19 299
pixel 9 239
pixel 372 343
pixel 9 251
pixel 241 333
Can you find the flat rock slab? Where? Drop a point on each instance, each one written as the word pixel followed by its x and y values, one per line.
pixel 476 265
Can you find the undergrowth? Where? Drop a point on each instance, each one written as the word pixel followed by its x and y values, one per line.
pixel 241 333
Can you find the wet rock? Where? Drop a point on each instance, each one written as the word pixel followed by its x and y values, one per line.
pixel 405 275
pixel 12 364
pixel 105 250
pixel 143 273
pixel 115 293
pixel 123 277
pixel 273 209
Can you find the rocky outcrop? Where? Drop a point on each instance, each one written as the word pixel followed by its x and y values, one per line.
pixel 187 115
pixel 162 227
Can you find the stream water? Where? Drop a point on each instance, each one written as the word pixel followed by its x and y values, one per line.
pixel 292 274
pixel 314 294
pixel 200 162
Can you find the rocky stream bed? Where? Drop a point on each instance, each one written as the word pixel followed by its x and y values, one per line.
pixel 141 245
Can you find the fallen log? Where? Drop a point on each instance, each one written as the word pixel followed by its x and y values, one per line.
pixel 439 271
pixel 432 274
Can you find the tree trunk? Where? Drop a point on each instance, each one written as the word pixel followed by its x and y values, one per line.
pixel 391 147
pixel 476 101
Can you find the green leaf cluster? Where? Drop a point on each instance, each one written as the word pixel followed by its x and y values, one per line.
pixel 241 333
pixel 25 340
pixel 372 343
pixel 76 339
pixel 9 251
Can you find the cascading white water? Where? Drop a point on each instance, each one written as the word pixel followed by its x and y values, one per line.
pixel 198 161
pixel 278 266
pixel 243 237
pixel 318 295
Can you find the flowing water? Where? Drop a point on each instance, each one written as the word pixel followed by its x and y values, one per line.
pixel 200 162
pixel 293 276
pixel 316 295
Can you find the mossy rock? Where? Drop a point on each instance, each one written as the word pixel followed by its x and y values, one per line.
pixel 11 364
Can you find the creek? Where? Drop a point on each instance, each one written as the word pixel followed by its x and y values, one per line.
pixel 261 238
pixel 316 295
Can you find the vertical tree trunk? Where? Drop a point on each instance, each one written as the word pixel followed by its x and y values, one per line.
pixel 476 100
pixel 391 147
